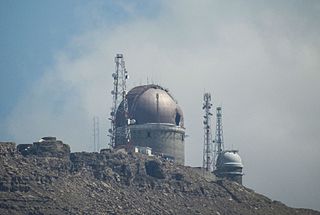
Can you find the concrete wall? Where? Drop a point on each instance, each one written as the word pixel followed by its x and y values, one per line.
pixel 230 173
pixel 162 138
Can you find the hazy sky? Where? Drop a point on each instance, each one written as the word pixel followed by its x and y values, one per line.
pixel 259 59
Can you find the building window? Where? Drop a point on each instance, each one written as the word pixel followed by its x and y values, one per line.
pixel 177 119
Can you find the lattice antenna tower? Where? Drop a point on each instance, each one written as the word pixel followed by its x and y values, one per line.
pixel 96 134
pixel 219 143
pixel 124 77
pixel 120 77
pixel 208 144
pixel 119 89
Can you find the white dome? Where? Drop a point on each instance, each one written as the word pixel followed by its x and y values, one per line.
pixel 229 159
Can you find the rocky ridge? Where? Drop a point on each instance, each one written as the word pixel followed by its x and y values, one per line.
pixel 114 182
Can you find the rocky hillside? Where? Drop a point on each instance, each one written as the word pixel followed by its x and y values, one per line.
pixel 41 182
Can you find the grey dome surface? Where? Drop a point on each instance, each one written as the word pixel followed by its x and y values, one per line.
pixel 150 104
pixel 229 159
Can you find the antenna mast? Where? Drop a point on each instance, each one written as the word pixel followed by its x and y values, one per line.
pixel 207 146
pixel 119 91
pixel 124 77
pixel 96 134
pixel 219 146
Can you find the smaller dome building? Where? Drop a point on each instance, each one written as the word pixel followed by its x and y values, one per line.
pixel 229 165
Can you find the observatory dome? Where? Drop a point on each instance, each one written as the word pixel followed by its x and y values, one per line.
pixel 150 104
pixel 229 159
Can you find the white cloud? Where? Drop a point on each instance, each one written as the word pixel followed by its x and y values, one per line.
pixel 255 60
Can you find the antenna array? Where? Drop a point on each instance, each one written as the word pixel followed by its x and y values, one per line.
pixel 119 91
pixel 219 146
pixel 208 159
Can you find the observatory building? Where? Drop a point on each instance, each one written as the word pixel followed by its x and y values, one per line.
pixel 156 121
pixel 229 166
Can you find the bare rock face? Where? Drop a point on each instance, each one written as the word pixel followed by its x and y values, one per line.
pixel 153 169
pixel 48 179
pixel 7 149
pixel 46 148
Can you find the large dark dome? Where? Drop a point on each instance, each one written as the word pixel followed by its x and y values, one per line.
pixel 151 104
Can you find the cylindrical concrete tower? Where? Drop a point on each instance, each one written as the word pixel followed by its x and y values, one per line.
pixel 158 121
